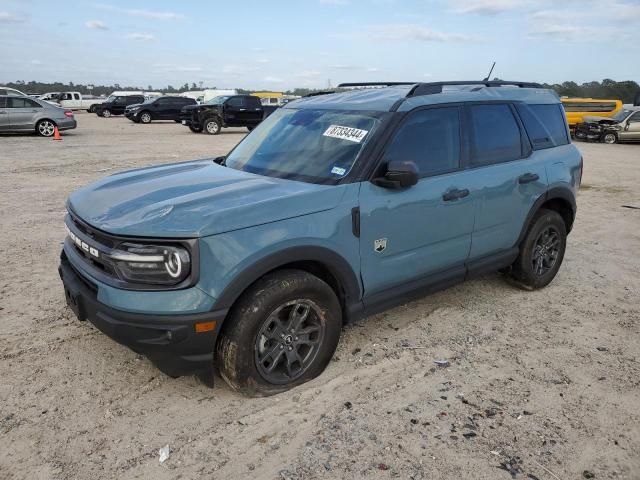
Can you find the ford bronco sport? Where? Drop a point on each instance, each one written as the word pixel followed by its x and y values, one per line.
pixel 337 206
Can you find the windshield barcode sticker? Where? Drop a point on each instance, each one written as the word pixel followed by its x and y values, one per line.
pixel 346 133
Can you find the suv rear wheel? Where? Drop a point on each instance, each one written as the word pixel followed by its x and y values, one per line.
pixel 281 333
pixel 541 251
pixel 212 126
pixel 45 128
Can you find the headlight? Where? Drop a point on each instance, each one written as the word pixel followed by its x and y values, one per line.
pixel 152 264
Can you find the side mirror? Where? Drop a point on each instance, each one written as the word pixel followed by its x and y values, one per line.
pixel 399 175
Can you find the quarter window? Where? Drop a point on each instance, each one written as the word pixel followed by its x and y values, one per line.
pixel 545 125
pixel 496 135
pixel 429 138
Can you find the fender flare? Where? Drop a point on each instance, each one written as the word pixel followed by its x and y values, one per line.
pixel 562 193
pixel 335 263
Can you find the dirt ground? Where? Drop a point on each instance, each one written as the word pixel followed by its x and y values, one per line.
pixel 544 384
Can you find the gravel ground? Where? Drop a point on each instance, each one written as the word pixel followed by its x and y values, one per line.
pixel 540 385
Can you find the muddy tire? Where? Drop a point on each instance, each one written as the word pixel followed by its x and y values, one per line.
pixel 282 332
pixel 541 251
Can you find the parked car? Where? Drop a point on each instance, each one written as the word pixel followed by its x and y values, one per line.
pixel 49 97
pixel 223 111
pixel 335 207
pixel 12 92
pixel 116 104
pixel 160 108
pixel 24 114
pixel 622 127
pixel 78 101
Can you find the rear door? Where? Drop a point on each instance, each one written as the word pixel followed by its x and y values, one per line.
pixel 234 109
pixel 253 113
pixel 23 112
pixel 421 233
pixel 509 178
pixel 631 130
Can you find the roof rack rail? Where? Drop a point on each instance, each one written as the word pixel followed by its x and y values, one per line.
pixel 322 92
pixel 436 87
pixel 374 84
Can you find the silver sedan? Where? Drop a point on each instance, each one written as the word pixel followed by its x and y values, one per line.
pixel 24 114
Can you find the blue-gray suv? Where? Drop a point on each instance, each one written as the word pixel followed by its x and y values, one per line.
pixel 335 207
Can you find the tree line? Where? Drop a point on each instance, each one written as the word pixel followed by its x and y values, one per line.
pixel 606 89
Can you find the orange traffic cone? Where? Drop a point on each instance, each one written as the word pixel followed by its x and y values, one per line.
pixel 56 134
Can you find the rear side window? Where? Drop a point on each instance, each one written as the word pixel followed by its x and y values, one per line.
pixel 3 102
pixel 429 138
pixel 21 102
pixel 545 125
pixel 253 102
pixel 496 135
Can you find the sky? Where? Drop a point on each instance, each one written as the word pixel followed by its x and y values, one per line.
pixel 282 44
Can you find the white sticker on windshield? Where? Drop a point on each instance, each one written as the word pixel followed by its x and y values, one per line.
pixel 346 133
pixel 338 171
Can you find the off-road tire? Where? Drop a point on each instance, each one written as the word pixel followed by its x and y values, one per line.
pixel 237 352
pixel 209 128
pixel 524 270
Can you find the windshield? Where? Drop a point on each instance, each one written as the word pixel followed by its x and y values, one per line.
pixel 317 146
pixel 621 115
pixel 217 100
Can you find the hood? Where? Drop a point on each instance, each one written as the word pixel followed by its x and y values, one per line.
pixel 599 120
pixel 195 107
pixel 194 199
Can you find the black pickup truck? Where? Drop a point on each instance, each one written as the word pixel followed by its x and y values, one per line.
pixel 224 111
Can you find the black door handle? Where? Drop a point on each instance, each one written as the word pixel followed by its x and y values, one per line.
pixel 528 178
pixel 454 194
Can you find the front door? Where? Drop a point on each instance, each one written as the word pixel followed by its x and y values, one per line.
pixel 234 109
pixel 410 236
pixel 631 130
pixel 4 114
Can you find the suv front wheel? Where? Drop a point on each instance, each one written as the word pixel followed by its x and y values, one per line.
pixel 281 333
pixel 541 251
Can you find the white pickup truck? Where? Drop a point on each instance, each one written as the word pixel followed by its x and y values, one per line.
pixel 77 101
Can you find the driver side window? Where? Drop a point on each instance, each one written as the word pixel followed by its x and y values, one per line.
pixel 635 118
pixel 430 138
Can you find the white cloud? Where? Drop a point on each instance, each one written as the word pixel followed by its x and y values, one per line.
pixel 373 69
pixel 307 74
pixel 140 36
pixel 486 7
pixel 6 17
pixel 36 62
pixel 156 15
pixel 96 24
pixel 232 70
pixel 263 60
pixel 414 32
pixel 271 79
pixel 170 67
pixel 342 66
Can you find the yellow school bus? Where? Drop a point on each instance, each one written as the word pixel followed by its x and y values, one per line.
pixel 578 108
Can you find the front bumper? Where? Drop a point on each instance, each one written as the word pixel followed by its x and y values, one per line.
pixel 169 341
pixel 131 115
pixel 588 134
